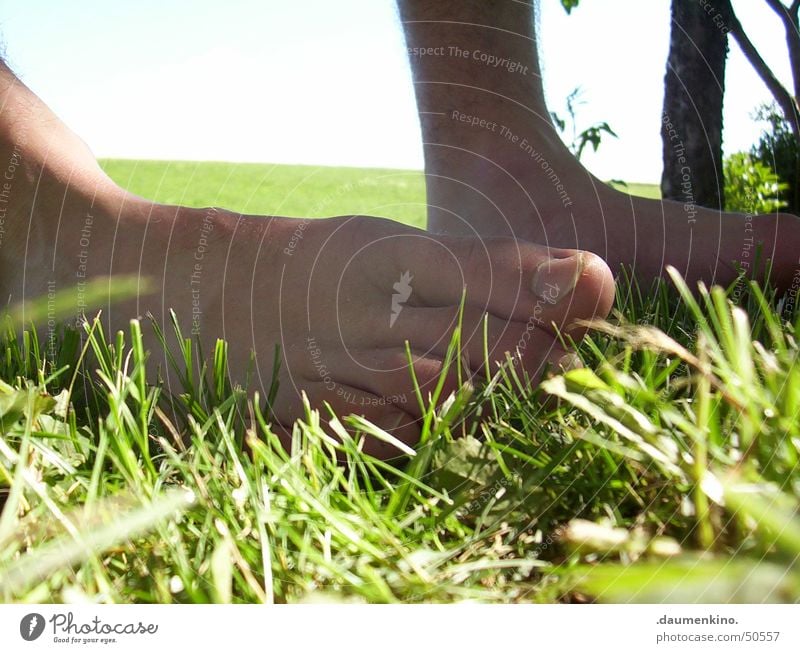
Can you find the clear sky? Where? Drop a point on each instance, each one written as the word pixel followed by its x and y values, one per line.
pixel 322 82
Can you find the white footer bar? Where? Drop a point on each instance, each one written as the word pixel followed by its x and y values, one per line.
pixel 402 629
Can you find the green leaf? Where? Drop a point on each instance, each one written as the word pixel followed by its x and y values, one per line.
pixel 773 512
pixel 464 462
pixel 690 580
pixel 61 305
pixel 14 406
pixel 70 550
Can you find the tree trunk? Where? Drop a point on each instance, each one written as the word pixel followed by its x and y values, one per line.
pixel 691 125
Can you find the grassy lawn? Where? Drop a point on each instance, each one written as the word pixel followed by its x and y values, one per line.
pixel 666 470
pixel 643 190
pixel 266 189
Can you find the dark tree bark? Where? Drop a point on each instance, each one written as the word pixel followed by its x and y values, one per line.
pixel 691 126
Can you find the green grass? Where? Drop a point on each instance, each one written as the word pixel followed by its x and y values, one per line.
pixel 268 189
pixel 666 470
pixel 651 191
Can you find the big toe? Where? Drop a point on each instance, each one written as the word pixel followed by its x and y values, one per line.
pixel 513 280
pixel 575 285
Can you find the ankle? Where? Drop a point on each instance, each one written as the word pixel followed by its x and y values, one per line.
pixel 495 135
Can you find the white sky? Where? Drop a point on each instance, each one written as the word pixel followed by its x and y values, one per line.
pixel 321 82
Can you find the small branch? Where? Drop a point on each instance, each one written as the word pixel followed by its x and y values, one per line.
pixel 788 16
pixel 779 92
pixel 793 39
pixel 779 8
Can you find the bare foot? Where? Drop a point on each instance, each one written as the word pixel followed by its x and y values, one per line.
pixel 511 176
pixel 340 297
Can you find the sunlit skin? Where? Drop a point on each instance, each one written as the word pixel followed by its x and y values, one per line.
pixel 320 290
pixel 495 164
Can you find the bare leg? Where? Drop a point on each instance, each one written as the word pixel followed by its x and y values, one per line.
pixel 495 164
pixel 322 290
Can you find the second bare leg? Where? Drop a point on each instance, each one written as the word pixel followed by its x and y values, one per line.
pixel 496 166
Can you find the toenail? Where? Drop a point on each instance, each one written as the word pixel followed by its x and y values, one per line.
pixel 556 278
pixel 569 361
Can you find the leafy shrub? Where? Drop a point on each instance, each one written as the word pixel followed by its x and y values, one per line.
pixel 751 186
pixel 778 148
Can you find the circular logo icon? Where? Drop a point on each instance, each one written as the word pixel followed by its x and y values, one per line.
pixel 31 626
